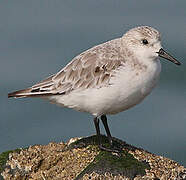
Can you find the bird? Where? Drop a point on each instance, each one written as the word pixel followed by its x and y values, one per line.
pixel 106 79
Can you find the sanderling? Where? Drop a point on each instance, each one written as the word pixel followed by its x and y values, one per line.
pixel 108 78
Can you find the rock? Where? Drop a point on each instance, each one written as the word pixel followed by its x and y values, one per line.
pixel 81 159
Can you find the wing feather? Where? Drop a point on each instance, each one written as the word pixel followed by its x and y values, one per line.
pixel 91 69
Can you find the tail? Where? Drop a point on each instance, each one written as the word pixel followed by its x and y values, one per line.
pixel 29 92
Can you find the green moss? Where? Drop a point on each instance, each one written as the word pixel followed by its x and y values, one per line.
pixel 4 158
pixel 123 162
pixel 92 140
pixel 110 162
pixel 106 161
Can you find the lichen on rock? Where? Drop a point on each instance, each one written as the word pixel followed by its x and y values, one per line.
pixel 81 159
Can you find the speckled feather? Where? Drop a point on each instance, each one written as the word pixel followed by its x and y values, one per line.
pixel 91 69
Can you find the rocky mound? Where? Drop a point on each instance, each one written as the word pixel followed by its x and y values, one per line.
pixel 80 158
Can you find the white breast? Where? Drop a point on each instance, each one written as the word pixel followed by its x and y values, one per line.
pixel 133 85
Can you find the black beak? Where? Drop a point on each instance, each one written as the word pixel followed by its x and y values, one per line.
pixel 167 56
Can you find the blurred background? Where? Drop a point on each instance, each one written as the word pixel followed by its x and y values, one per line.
pixel 39 37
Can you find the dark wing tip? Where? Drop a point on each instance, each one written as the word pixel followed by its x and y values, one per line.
pixel 20 93
pixel 10 95
pixel 31 93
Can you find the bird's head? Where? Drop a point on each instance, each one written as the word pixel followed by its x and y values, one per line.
pixel 145 43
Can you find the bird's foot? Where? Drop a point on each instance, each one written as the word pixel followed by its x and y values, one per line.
pixel 111 149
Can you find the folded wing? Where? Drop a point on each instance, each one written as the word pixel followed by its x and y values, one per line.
pixel 91 69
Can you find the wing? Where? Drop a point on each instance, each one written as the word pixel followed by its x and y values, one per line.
pixel 91 69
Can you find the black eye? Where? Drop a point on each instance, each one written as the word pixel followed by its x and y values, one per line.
pixel 144 41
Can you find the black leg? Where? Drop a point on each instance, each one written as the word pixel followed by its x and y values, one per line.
pixel 96 123
pixel 104 120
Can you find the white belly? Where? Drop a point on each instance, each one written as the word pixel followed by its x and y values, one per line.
pixel 128 88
